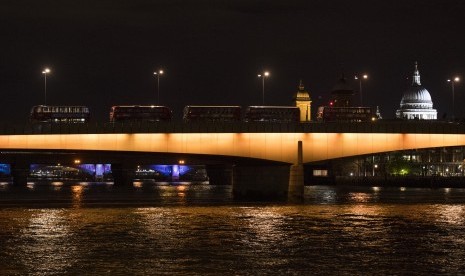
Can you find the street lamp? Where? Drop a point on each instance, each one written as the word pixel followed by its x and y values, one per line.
pixel 45 72
pixel 360 78
pixel 158 73
pixel 452 81
pixel 263 76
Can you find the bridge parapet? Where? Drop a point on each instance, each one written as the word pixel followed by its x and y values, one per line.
pixel 422 127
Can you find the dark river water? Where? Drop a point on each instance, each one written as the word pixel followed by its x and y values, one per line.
pixel 89 229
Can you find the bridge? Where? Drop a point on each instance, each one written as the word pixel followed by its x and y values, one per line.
pixel 251 148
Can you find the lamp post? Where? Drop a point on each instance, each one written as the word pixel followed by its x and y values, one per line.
pixel 360 78
pixel 263 76
pixel 158 73
pixel 452 81
pixel 45 72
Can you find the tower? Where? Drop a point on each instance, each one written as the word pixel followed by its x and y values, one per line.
pixel 342 93
pixel 302 100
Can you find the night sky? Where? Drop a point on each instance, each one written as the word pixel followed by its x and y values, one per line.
pixel 104 53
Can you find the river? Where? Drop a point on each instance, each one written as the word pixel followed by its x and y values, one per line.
pixel 97 229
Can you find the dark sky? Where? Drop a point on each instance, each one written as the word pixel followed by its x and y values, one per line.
pixel 103 53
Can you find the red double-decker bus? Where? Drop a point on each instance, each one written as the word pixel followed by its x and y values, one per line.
pixel 211 113
pixel 147 113
pixel 278 114
pixel 59 114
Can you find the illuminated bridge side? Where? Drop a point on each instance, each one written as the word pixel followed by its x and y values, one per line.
pixel 254 158
pixel 280 147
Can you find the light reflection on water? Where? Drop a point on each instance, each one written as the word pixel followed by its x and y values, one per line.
pixel 87 228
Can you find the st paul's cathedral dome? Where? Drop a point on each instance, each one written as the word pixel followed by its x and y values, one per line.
pixel 416 103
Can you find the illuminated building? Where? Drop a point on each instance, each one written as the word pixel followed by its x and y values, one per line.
pixel 416 103
pixel 302 100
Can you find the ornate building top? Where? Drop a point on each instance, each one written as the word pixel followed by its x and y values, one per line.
pixel 301 94
pixel 416 101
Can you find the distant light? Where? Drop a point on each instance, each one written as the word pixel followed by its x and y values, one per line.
pixel 259 75
pixel 365 76
pixel 181 161
pixel 46 70
pixel 457 79
pixel 267 74
pixel 161 72
pixel 376 166
pixel 77 161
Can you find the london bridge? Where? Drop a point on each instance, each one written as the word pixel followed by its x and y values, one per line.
pixel 246 155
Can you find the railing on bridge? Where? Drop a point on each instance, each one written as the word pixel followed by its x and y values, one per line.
pixel 381 126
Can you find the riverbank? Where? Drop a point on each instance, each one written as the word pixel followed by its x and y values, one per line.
pixel 392 181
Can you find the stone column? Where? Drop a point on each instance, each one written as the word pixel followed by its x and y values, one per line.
pixel 266 182
pixel 220 174
pixel 296 177
pixel 20 172
pixel 123 174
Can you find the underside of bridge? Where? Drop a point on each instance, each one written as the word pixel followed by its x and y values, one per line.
pixel 250 178
pixel 255 177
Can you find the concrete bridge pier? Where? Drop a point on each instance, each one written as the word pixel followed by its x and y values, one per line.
pixel 123 174
pixel 19 172
pixel 296 177
pixel 260 182
pixel 220 174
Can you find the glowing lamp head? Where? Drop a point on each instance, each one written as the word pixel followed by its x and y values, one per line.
pixel 365 76
pixel 266 74
pixel 161 72
pixel 46 71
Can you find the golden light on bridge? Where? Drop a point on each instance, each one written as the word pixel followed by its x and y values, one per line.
pixel 280 147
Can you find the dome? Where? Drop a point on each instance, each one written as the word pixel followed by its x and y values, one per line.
pixel 342 87
pixel 416 94
pixel 416 102
pixel 342 93
pixel 301 94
